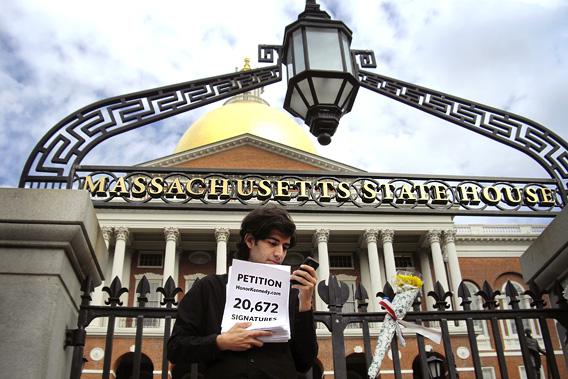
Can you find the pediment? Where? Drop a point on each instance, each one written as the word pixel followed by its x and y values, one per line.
pixel 248 151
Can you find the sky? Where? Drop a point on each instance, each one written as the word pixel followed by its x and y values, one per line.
pixel 58 56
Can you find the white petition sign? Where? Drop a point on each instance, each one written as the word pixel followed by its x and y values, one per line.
pixel 258 293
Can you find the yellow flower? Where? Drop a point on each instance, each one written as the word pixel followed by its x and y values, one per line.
pixel 410 280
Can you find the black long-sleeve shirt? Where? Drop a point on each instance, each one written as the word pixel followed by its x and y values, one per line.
pixel 198 324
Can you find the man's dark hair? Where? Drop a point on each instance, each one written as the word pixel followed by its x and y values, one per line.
pixel 260 222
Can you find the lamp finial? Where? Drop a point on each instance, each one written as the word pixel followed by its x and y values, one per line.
pixel 313 10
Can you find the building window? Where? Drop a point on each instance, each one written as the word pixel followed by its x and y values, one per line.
pixel 351 304
pixel 509 327
pixel 153 296
pixel 488 373
pixel 404 262
pixel 150 259
pixel 341 260
pixel 480 326
pixel 523 372
pixel 191 279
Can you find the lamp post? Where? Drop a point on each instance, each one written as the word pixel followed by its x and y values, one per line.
pixel 435 366
pixel 321 75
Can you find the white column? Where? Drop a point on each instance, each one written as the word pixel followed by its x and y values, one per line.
pixel 427 277
pixel 222 237
pixel 437 259
pixel 388 252
pixel 172 238
pixel 98 292
pixel 453 263
pixel 321 238
pixel 121 234
pixel 366 278
pixel 107 235
pixel 370 236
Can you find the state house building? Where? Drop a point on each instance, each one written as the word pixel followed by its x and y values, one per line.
pixel 267 148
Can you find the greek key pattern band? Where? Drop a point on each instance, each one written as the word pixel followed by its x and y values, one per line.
pixel 66 144
pixel 266 53
pixel 525 135
pixel 366 58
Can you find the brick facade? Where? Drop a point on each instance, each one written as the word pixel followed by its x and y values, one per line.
pixel 496 270
pixel 249 157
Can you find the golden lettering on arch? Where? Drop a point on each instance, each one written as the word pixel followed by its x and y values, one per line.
pixel 439 193
pixel 156 187
pixel 546 196
pixel 512 196
pixel 422 193
pixel 387 191
pixel 302 185
pixel 138 187
pixel 325 187
pixel 369 192
pixel 282 190
pixel 343 191
pixel 97 188
pixel 245 188
pixel 531 196
pixel 405 195
pixel 264 189
pixel 119 187
pixel 196 187
pixel 491 195
pixel 175 189
pixel 218 188
pixel 347 192
pixel 468 194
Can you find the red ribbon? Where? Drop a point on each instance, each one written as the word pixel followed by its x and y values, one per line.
pixel 387 306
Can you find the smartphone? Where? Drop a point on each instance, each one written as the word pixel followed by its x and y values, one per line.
pixel 310 262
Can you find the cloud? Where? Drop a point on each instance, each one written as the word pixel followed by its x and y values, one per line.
pixel 59 56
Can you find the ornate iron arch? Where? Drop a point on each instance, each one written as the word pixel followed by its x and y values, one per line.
pixel 548 149
pixel 51 164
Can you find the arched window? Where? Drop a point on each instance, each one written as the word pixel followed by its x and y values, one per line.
pixel 477 305
pixel 509 327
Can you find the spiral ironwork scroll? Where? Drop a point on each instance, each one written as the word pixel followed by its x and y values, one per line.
pixel 527 136
pixel 52 161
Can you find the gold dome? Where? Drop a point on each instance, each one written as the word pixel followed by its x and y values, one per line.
pixel 247 114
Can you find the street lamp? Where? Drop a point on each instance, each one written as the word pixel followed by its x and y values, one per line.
pixel 322 84
pixel 435 366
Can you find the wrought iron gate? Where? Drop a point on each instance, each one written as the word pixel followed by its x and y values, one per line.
pixel 336 322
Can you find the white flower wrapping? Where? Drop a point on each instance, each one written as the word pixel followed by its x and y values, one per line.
pixel 401 304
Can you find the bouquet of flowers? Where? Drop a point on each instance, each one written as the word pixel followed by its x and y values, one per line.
pixel 407 287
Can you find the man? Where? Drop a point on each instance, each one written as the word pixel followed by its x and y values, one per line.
pixel 266 235
pixel 535 350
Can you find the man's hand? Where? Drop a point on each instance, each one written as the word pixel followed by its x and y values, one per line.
pixel 238 338
pixel 307 279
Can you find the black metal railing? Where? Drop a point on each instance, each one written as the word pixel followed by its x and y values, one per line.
pixel 335 294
